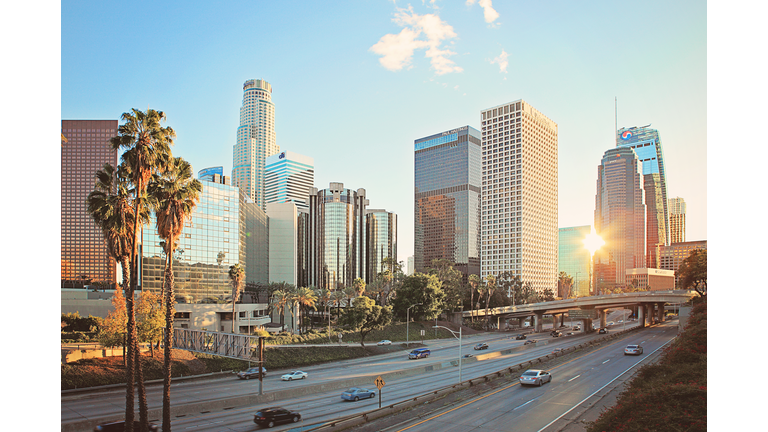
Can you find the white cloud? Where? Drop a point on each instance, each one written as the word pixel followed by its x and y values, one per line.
pixel 420 31
pixel 502 61
pixel 489 13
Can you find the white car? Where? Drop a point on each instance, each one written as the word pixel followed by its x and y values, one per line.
pixel 384 342
pixel 535 377
pixel 633 350
pixel 294 376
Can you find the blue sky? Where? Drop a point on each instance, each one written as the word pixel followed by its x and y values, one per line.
pixel 356 83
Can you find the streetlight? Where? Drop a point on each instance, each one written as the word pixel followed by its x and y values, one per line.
pixel 454 335
pixel 592 242
pixel 408 322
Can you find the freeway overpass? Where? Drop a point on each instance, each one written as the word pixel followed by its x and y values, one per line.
pixel 645 303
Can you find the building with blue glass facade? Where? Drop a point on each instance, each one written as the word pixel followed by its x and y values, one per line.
pixel 447 200
pixel 382 240
pixel 289 176
pixel 573 260
pixel 208 174
pixel 647 145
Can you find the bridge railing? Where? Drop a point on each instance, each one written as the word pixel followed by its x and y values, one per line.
pixel 231 345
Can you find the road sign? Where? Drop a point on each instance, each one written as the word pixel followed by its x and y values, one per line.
pixel 380 382
pixel 582 313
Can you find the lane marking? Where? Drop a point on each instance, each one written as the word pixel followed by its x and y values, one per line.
pixel 606 361
pixel 574 378
pixel 525 404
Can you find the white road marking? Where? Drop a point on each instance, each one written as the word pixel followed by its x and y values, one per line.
pixel 606 361
pixel 525 404
pixel 574 378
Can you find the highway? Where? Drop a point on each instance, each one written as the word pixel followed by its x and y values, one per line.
pixel 317 405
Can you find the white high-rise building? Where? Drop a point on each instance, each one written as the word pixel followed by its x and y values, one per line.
pixel 255 140
pixel 289 176
pixel 519 195
pixel 677 210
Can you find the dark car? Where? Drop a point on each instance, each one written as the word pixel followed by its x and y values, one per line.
pixel 481 346
pixel 252 373
pixel 530 341
pixel 520 337
pixel 556 333
pixel 602 331
pixel 120 426
pixel 271 416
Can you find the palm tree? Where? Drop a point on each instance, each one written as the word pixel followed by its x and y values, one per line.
pixel 490 288
pixel 337 296
pixel 237 277
pixel 147 146
pixel 349 294
pixel 174 197
pixel 324 297
pixel 279 300
pixel 474 282
pixel 306 298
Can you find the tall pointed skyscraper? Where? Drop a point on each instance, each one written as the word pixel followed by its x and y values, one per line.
pixel 647 145
pixel 255 140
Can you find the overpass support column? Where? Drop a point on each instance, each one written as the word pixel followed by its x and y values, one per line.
pixel 601 313
pixel 562 319
pixel 648 314
pixel 661 312
pixel 641 315
pixel 538 318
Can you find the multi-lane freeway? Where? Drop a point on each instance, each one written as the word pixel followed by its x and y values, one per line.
pixel 532 408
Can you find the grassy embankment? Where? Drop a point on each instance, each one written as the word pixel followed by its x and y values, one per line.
pixel 670 394
pixel 104 371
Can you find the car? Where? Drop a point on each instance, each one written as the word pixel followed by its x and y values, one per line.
pixel 535 377
pixel 610 323
pixel 294 376
pixel 633 350
pixel 602 331
pixel 481 346
pixel 384 342
pixel 569 334
pixel 557 350
pixel 530 341
pixel 577 328
pixel 520 337
pixel 556 333
pixel 271 416
pixel 355 394
pixel 468 355
pixel 120 426
pixel 419 353
pixel 252 373
pixel 621 321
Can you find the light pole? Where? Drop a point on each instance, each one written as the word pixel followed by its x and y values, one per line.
pixel 454 335
pixel 408 322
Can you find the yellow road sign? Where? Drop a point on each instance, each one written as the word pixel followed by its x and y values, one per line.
pixel 380 382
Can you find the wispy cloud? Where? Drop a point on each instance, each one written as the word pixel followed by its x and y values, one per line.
pixel 420 32
pixel 502 61
pixel 489 12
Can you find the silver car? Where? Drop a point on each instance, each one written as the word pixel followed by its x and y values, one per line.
pixel 633 350
pixel 535 377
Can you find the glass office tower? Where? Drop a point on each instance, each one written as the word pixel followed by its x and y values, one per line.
pixel 573 259
pixel 647 145
pixel 447 200
pixel 256 140
pixel 85 148
pixel 519 194
pixel 619 218
pixel 382 240
pixel 289 176
pixel 335 237
pixel 226 228
pixel 208 174
pixel 677 209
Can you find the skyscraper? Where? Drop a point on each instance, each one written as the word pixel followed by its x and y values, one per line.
pixel 619 218
pixel 289 176
pixel 255 140
pixel 573 259
pixel 335 237
pixel 208 174
pixel 447 200
pixel 382 240
pixel 676 220
pixel 519 194
pixel 647 145
pixel 85 148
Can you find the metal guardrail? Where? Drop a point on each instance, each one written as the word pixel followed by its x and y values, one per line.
pixel 230 345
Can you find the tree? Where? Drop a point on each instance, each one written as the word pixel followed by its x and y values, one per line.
pixel 305 298
pixel 359 286
pixel 490 288
pixel 450 280
pixel 280 300
pixel 365 316
pixel 147 150
pixel 509 283
pixel 149 319
pixel 237 279
pixel 174 196
pixel 113 328
pixel 474 283
pixel 324 298
pixel 419 288
pixel 692 272
pixel 564 284
pixel 337 296
pixel 548 295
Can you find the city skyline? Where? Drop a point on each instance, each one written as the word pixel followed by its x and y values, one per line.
pixel 375 78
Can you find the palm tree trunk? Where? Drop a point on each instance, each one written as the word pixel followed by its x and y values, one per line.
pixel 167 345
